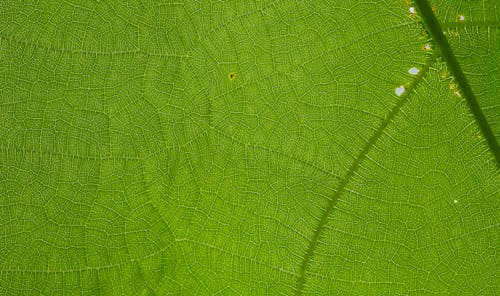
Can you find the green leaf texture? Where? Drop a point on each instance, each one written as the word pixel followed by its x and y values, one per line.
pixel 248 148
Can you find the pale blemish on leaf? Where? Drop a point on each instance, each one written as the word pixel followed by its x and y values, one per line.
pixel 399 90
pixel 413 71
pixel 412 10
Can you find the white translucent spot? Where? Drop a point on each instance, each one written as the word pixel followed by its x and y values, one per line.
pixel 457 93
pixel 455 201
pixel 412 10
pixel 461 18
pixel 413 71
pixel 399 90
pixel 427 47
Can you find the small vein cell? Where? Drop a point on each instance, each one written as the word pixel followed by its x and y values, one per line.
pixel 231 76
pixel 399 90
pixel 413 71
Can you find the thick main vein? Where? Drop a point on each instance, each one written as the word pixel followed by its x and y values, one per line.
pixel 434 28
pixel 350 173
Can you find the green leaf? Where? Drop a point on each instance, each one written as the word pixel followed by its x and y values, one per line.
pixel 249 148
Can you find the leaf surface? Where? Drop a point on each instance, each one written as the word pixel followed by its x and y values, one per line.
pixel 247 148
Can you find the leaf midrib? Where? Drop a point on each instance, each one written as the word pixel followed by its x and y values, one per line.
pixel 434 28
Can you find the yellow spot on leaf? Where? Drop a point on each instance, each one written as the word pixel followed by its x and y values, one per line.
pixel 231 76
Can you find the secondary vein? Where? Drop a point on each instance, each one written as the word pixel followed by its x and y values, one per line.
pixel 350 173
